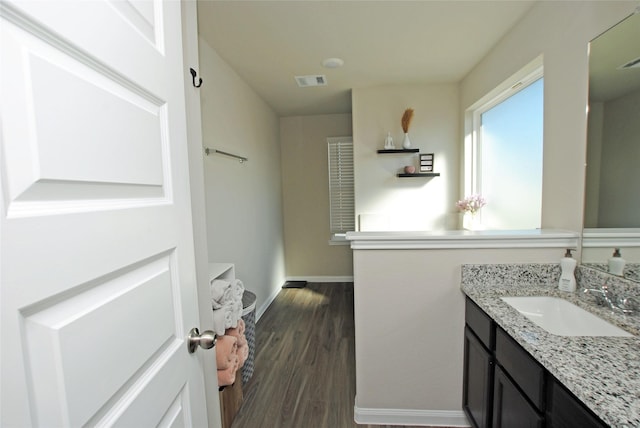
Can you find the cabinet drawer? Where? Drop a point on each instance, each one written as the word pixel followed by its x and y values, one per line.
pixel 523 369
pixel 481 324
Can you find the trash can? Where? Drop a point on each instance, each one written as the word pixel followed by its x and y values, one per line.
pixel 249 317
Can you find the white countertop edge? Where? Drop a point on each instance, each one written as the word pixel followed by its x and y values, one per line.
pixel 611 237
pixel 464 239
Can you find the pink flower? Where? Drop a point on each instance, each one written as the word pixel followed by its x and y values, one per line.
pixel 471 204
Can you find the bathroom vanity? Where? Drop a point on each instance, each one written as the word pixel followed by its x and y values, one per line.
pixel 518 374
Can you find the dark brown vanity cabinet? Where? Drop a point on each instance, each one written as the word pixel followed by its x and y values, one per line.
pixel 479 362
pixel 510 407
pixel 565 411
pixel 504 386
pixel 478 384
pixel 518 393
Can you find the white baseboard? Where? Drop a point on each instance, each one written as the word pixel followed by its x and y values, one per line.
pixel 261 310
pixel 321 278
pixel 434 418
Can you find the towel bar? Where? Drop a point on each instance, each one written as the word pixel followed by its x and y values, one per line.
pixel 242 159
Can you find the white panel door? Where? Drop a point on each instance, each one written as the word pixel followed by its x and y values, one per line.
pixel 98 278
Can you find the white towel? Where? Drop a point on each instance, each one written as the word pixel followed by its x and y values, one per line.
pixel 228 296
pixel 234 315
pixel 219 321
pixel 238 312
pixel 227 316
pixel 219 288
pixel 226 301
pixel 238 289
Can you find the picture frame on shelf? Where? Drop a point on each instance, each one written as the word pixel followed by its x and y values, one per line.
pixel 426 162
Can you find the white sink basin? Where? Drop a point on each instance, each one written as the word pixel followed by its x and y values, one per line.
pixel 563 318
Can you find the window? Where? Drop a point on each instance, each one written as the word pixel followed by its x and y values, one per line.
pixel 341 193
pixel 503 163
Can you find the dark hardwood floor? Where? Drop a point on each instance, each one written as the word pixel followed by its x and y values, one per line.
pixel 304 366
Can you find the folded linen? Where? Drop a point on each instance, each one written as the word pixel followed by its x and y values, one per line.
pixel 218 289
pixel 242 353
pixel 237 312
pixel 238 288
pixel 223 292
pixel 219 321
pixel 241 326
pixel 242 340
pixel 228 376
pixel 234 332
pixel 224 318
pixel 226 351
pixel 229 296
pixel 242 349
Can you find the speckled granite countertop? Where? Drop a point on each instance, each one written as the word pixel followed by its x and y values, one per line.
pixel 603 372
pixel 631 270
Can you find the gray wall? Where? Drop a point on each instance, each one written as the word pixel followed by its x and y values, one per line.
pixel 243 200
pixel 305 186
pixel 619 201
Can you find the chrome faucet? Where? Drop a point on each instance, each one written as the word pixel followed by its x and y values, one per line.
pixel 604 297
pixel 628 305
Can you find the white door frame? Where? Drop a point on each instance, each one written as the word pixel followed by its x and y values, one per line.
pixel 198 204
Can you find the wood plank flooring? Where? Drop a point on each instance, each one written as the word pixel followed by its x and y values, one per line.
pixel 305 361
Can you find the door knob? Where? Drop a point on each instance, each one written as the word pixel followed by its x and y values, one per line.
pixel 206 340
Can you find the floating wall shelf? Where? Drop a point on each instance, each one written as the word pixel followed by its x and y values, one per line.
pixel 420 174
pixel 386 151
pixel 415 174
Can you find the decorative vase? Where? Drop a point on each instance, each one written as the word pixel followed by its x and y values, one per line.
pixel 406 143
pixel 472 221
pixel 409 169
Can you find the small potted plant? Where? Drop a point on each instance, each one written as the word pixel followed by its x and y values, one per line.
pixel 470 207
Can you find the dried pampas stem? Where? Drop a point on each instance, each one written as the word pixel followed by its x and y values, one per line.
pixel 406 119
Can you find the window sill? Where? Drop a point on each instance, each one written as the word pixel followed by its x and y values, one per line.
pixel 339 239
pixel 461 239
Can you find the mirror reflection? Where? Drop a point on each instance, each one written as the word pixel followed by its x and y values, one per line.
pixel 612 197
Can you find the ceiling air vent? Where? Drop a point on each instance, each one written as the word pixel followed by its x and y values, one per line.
pixel 314 80
pixel 631 64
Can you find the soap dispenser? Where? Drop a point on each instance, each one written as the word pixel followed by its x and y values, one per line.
pixel 616 263
pixel 567 278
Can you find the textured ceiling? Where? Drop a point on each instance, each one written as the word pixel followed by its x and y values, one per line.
pixel 382 42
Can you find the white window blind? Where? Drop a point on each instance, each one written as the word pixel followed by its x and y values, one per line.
pixel 341 193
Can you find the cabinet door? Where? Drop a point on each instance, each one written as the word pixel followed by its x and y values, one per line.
pixel 478 381
pixel 566 411
pixel 523 369
pixel 510 407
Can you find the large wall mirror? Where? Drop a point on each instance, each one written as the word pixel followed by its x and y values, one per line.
pixel 612 200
